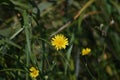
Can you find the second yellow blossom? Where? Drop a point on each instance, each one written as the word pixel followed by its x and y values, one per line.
pixel 86 51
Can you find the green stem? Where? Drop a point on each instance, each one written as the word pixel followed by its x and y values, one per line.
pixel 85 63
pixel 43 55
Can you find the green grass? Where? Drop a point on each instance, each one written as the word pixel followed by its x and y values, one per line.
pixel 26 29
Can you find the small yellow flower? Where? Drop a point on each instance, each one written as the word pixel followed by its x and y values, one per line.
pixel 86 51
pixel 59 41
pixel 34 72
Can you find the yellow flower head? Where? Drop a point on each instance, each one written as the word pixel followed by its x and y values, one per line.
pixel 86 51
pixel 59 41
pixel 34 72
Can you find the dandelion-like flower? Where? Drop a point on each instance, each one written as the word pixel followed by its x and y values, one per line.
pixel 59 41
pixel 86 51
pixel 34 72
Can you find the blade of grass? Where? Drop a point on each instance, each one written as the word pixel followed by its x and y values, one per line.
pixel 12 69
pixel 13 36
pixel 20 4
pixel 68 58
pixel 69 54
pixel 116 5
pixel 11 43
pixel 28 42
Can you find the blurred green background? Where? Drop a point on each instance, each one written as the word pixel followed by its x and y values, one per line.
pixel 26 28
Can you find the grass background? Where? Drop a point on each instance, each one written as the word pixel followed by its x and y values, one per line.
pixel 26 28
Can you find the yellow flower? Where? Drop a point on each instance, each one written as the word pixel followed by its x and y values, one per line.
pixel 59 41
pixel 34 72
pixel 86 51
